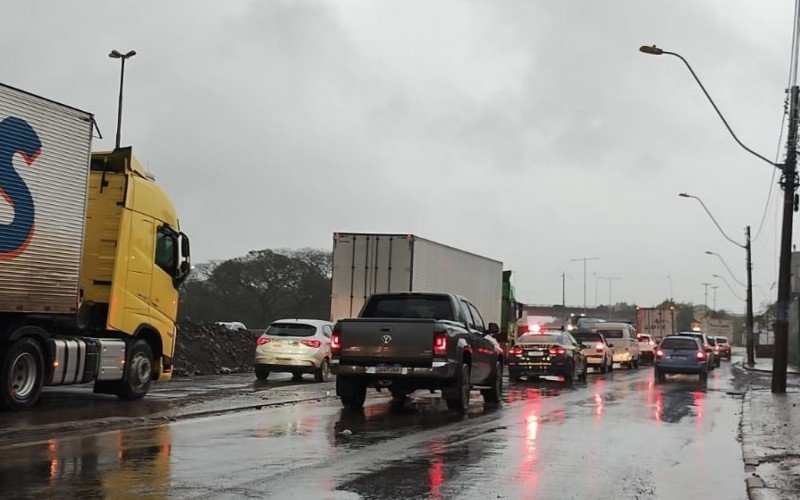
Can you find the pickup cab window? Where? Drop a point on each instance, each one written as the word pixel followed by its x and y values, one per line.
pixel 478 320
pixel 470 321
pixel 409 306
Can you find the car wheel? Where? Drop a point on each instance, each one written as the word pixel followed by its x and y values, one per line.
pixel 324 371
pixel 460 403
pixel 704 376
pixel 603 367
pixel 262 372
pixel 569 377
pixel 717 362
pixel 352 393
pixel 22 373
pixel 514 377
pixel 297 376
pixel 636 363
pixel 629 365
pixel 611 366
pixel 492 396
pixel 139 374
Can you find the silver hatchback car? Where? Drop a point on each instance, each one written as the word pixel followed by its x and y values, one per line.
pixel 296 346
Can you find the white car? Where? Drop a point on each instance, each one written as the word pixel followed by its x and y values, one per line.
pixel 646 347
pixel 234 326
pixel 296 346
pixel 621 338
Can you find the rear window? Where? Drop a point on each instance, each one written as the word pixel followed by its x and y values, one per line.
pixel 611 334
pixel 722 340
pixel 546 339
pixel 684 344
pixel 592 337
pixel 409 306
pixel 291 330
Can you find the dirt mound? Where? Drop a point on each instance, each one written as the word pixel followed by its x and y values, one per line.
pixel 208 349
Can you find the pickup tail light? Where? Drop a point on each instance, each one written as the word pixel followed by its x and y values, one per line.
pixel 440 344
pixel 599 347
pixel 311 343
pixel 701 355
pixel 263 340
pixel 336 343
pixel 557 351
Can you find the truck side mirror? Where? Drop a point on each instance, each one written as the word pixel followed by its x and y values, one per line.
pixel 184 246
pixel 493 329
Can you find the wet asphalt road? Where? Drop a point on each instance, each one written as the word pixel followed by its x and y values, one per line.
pixel 615 436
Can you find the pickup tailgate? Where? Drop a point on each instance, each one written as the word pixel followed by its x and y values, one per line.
pixel 375 341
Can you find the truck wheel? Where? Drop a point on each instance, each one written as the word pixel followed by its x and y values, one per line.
pixel 139 373
pixel 262 372
pixel 461 402
pixel 324 371
pixel 352 393
pixel 21 375
pixel 492 396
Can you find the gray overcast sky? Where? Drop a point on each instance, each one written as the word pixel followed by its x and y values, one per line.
pixel 532 132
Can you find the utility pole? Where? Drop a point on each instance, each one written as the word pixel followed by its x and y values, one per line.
pixel 705 300
pixel 122 57
pixel 563 287
pixel 751 342
pixel 584 259
pixel 789 184
pixel 715 296
pixel 609 293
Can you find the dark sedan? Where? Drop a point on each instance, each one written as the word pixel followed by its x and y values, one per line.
pixel 547 353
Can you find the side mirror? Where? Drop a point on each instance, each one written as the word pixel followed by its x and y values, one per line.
pixel 184 246
pixel 493 329
pixel 610 345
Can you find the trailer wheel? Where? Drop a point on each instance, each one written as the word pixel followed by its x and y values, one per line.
pixel 139 372
pixel 21 375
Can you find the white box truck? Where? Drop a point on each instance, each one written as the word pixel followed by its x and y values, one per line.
pixel 364 264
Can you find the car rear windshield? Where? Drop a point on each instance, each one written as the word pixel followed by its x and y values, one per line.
pixel 409 306
pixel 592 337
pixel 611 334
pixel 722 340
pixel 684 344
pixel 291 330
pixel 539 339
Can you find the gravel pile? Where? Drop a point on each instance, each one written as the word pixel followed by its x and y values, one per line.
pixel 209 349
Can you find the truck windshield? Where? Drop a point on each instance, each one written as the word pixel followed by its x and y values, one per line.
pixel 409 306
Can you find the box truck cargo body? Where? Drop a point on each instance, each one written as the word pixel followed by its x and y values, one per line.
pixel 364 264
pixel 91 258
pixel 657 323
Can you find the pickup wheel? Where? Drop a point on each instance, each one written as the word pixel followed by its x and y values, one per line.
pixel 21 375
pixel 461 402
pixel 352 393
pixel 492 396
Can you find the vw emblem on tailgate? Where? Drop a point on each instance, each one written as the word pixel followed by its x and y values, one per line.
pixel 386 339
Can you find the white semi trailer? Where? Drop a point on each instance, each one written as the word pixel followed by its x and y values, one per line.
pixel 364 264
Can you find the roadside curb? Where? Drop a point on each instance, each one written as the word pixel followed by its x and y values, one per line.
pixel 790 371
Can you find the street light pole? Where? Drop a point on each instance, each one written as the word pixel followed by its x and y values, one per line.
pixel 609 293
pixel 584 259
pixel 705 299
pixel 122 57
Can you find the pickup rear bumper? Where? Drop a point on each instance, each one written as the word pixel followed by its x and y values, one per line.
pixel 437 370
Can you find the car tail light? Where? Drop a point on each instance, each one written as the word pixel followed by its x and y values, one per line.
pixel 557 351
pixel 263 340
pixel 515 351
pixel 311 343
pixel 336 343
pixel 659 353
pixel 701 355
pixel 599 347
pixel 440 344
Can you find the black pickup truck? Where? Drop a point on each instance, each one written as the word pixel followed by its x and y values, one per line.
pixel 408 341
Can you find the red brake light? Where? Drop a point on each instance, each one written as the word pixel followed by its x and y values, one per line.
pixel 336 343
pixel 440 344
pixel 557 351
pixel 311 343
pixel 701 355
pixel 659 353
pixel 515 350
pixel 599 347
pixel 263 340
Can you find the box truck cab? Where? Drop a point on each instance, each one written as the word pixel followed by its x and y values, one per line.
pixel 91 258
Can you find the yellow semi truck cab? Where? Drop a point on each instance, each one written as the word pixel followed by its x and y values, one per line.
pixel 134 256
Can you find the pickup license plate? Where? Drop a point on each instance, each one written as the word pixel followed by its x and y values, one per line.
pixel 389 369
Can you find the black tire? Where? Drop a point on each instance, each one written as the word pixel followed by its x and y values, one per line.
pixel 514 377
pixel 611 366
pixel 582 376
pixel 603 368
pixel 494 395
pixel 297 376
pixel 323 373
pixel 704 376
pixel 569 377
pixel 460 403
pixel 352 393
pixel 636 363
pixel 659 376
pixel 138 373
pixel 21 375
pixel 262 372
pixel 718 362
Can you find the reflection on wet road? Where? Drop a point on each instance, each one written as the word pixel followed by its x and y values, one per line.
pixel 618 435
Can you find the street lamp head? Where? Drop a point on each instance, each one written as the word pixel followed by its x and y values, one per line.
pixel 716 276
pixel 130 54
pixel 651 49
pixel 684 195
pixel 115 54
pixel 709 252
